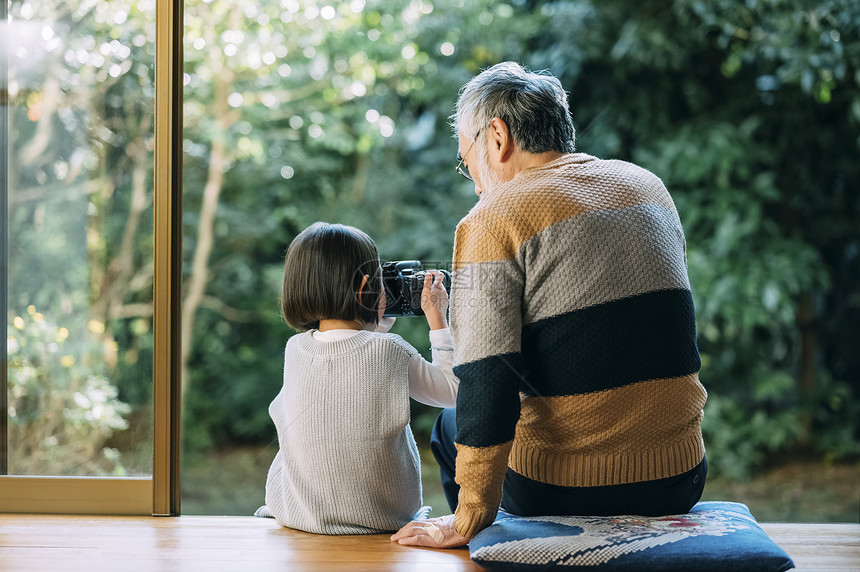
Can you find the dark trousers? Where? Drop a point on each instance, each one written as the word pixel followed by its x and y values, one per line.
pixel 526 497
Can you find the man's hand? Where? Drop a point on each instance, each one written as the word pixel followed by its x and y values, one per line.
pixel 434 300
pixel 436 532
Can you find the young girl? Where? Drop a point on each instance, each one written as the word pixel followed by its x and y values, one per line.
pixel 348 463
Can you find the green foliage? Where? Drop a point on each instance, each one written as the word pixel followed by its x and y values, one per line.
pixel 62 409
pixel 79 195
pixel 342 119
pixel 835 413
pixel 296 112
pixel 741 428
pixel 748 113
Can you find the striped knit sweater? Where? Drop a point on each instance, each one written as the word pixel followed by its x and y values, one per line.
pixel 575 334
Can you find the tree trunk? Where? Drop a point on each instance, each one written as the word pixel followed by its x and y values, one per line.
pixel 116 282
pixel 195 287
pixel 807 371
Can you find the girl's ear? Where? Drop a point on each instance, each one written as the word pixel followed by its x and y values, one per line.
pixel 364 280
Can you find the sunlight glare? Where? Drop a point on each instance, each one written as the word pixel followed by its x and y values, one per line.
pixel 358 89
pixel 235 99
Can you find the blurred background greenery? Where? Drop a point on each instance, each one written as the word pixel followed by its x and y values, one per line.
pixel 298 111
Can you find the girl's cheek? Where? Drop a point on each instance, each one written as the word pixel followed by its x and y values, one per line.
pixel 382 304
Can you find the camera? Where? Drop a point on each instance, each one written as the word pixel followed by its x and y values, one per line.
pixel 403 282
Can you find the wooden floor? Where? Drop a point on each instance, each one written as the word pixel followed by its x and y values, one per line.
pixel 213 544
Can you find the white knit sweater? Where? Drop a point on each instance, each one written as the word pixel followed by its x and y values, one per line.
pixel 348 463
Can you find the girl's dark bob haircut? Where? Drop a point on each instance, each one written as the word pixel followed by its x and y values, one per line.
pixel 323 270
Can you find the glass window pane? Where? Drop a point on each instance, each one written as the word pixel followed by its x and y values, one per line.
pixel 298 111
pixel 78 190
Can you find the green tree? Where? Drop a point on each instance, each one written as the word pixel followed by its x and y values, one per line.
pixel 79 191
pixel 298 111
pixel 295 113
pixel 749 112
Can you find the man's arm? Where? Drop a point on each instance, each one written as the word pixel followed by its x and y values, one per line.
pixel 486 323
pixel 486 318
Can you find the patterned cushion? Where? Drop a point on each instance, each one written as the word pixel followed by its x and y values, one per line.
pixel 716 536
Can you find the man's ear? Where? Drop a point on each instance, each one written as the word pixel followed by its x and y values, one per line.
pixel 501 144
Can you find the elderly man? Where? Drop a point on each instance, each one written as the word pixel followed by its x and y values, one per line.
pixel 573 324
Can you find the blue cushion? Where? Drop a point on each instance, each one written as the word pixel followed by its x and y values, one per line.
pixel 716 536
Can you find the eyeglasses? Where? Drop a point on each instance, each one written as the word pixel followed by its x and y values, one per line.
pixel 461 168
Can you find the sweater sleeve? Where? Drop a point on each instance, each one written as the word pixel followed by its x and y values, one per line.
pixel 486 318
pixel 434 383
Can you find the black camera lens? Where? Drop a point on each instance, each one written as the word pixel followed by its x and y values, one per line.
pixel 403 282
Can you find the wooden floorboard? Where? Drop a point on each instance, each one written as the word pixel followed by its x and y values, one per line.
pixel 201 543
pixel 818 547
pixel 213 544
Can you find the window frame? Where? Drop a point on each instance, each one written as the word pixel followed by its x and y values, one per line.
pixel 158 495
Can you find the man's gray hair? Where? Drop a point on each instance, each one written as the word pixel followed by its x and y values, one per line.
pixel 532 104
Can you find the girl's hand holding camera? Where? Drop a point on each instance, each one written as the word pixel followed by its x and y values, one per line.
pixel 434 300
